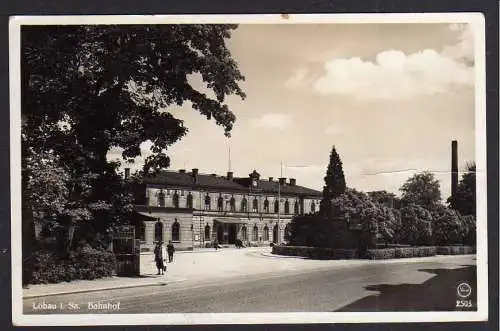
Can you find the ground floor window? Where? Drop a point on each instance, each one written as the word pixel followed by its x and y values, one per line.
pixel 158 231
pixel 207 232
pixel 141 231
pixel 244 235
pixel 255 233
pixel 266 233
pixel 176 233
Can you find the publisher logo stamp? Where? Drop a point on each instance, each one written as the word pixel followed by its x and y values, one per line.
pixel 464 290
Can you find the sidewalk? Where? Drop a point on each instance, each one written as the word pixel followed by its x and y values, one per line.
pixel 201 266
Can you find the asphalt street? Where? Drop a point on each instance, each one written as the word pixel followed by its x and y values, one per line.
pixel 429 285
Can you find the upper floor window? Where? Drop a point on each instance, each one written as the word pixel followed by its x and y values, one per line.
pixel 220 203
pixel 276 206
pixel 287 207
pixel 244 206
pixel 255 205
pixel 207 202
pixel 189 201
pixel 296 207
pixel 161 199
pixel 313 207
pixel 232 204
pixel 266 206
pixel 175 200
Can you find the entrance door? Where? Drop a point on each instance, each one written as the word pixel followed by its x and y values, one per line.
pixel 231 234
pixel 220 234
pixel 275 234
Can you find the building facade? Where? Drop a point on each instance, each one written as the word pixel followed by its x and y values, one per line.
pixel 195 210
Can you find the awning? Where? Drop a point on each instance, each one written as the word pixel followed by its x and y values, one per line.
pixel 153 215
pixel 230 220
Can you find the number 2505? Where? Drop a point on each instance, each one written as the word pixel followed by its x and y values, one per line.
pixel 464 303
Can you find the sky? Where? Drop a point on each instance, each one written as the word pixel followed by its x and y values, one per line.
pixel 389 97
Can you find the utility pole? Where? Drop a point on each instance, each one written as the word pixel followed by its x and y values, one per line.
pixel 279 203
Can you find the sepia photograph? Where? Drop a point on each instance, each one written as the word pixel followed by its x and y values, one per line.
pixel 248 168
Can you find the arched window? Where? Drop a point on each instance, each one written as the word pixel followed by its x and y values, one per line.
pixel 207 202
pixel 175 200
pixel 276 206
pixel 158 231
pixel 313 207
pixel 232 204
pixel 244 234
pixel 296 207
pixel 266 233
pixel 176 231
pixel 244 205
pixel 141 231
pixel 220 203
pixel 255 205
pixel 189 201
pixel 207 232
pixel 275 233
pixel 255 233
pixel 161 199
pixel 288 232
pixel 287 207
pixel 266 206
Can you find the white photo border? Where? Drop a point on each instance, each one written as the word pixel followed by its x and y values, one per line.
pixel 477 22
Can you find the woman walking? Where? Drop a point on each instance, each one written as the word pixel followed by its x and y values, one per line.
pixel 160 258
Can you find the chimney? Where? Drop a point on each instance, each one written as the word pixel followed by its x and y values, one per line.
pixel 127 173
pixel 271 179
pixel 454 170
pixel 182 171
pixel 282 180
pixel 292 181
pixel 230 175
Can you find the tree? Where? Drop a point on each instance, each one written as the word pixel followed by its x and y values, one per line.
pixel 86 89
pixel 335 183
pixel 385 198
pixel 465 197
pixel 421 189
pixel 448 227
pixel 416 225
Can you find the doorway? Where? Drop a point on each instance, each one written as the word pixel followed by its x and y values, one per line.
pixel 275 234
pixel 231 234
pixel 220 234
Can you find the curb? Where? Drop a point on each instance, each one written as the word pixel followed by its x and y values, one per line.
pixel 118 287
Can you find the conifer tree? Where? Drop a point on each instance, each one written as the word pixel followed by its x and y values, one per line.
pixel 335 183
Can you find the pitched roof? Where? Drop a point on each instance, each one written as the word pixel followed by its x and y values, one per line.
pixel 186 179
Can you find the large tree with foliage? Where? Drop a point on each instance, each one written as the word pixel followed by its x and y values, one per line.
pixel 86 89
pixel 422 189
pixel 465 197
pixel 335 183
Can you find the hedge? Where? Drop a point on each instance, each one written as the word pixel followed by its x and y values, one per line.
pixel 455 250
pixel 316 252
pixel 86 263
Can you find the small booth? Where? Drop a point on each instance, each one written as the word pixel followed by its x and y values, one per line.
pixel 127 251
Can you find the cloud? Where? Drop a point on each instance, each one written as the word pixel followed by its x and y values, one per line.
pixel 463 50
pixel 298 78
pixel 273 121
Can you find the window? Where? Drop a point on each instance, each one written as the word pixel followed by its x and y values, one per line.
pixel 207 232
pixel 232 204
pixel 276 206
pixel 175 200
pixel 176 233
pixel 189 201
pixel 287 207
pixel 141 231
pixel 207 202
pixel 313 207
pixel 266 233
pixel 255 233
pixel 244 235
pixel 161 199
pixel 296 207
pixel 244 206
pixel 255 205
pixel 288 232
pixel 158 231
pixel 220 204
pixel 266 206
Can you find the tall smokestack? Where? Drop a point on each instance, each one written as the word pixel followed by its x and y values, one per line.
pixel 454 170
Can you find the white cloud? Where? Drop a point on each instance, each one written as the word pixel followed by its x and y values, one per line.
pixel 298 78
pixel 463 50
pixel 273 121
pixel 394 74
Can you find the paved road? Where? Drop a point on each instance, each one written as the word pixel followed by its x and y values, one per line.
pixel 428 285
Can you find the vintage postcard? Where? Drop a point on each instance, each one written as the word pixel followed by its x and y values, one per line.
pixel 239 169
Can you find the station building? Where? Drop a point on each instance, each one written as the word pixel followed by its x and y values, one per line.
pixel 194 210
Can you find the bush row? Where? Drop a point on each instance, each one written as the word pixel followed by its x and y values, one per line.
pixel 83 264
pixel 401 252
pixel 316 252
pixel 456 250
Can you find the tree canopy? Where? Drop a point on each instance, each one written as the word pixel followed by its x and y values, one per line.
pixel 335 183
pixel 421 189
pixel 465 197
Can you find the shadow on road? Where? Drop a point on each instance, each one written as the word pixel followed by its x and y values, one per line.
pixel 438 293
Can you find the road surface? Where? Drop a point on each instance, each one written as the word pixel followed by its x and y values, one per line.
pixel 427 285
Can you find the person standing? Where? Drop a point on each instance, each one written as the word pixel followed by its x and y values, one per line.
pixel 170 250
pixel 160 258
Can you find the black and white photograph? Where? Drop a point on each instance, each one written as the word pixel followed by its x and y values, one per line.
pixel 241 168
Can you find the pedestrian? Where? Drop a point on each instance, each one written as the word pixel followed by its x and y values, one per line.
pixel 170 250
pixel 216 244
pixel 160 258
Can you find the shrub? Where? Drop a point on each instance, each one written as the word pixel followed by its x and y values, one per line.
pixel 416 225
pixel 84 263
pixel 381 254
pixel 456 250
pixel 422 251
pixel 448 227
pixel 320 253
